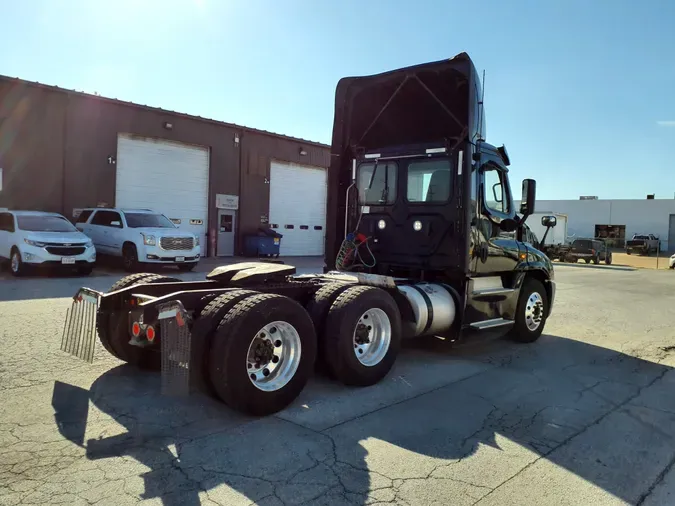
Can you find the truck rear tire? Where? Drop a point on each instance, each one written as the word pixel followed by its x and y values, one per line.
pixel 531 312
pixel 263 354
pixel 208 316
pixel 113 330
pixel 318 309
pixel 362 336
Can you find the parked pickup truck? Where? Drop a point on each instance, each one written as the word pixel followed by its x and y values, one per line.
pixel 642 244
pixel 589 250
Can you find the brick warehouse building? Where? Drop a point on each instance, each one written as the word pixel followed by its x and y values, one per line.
pixel 62 150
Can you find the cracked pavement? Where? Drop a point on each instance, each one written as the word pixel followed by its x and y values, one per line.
pixel 584 416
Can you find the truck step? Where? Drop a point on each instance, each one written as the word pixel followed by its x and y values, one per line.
pixel 492 293
pixel 490 324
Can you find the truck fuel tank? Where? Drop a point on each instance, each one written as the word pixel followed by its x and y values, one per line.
pixel 432 305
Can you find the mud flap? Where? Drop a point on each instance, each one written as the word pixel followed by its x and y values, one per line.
pixel 176 348
pixel 79 330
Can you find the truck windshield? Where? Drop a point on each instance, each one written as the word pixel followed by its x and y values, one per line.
pixel 144 220
pixel 429 181
pixel 377 183
pixel 44 224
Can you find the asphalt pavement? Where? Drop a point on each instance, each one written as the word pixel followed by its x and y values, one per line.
pixel 584 416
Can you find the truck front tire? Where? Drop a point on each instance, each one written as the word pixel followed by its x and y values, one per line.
pixel 263 354
pixel 362 336
pixel 531 312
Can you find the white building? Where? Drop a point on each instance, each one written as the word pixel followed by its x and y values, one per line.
pixel 618 219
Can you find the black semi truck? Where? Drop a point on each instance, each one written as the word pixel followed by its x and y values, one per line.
pixel 423 241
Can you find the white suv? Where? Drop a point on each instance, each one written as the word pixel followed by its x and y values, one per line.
pixel 139 236
pixel 44 239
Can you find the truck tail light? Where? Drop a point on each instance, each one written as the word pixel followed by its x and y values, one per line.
pixel 136 329
pixel 150 333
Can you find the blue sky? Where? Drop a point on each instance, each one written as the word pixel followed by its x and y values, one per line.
pixel 581 92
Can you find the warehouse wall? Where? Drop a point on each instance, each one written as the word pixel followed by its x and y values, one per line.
pixel 639 216
pixel 92 128
pixel 58 148
pixel 31 147
pixel 258 150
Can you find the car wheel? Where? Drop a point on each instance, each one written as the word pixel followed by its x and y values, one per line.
pixel 16 264
pixel 130 257
pixel 587 260
pixel 530 313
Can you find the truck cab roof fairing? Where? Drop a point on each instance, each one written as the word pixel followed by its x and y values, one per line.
pixel 431 102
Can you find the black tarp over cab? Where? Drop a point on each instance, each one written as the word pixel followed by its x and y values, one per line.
pixel 432 103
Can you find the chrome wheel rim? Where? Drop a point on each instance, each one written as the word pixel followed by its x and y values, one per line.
pixel 372 337
pixel 273 356
pixel 15 262
pixel 534 311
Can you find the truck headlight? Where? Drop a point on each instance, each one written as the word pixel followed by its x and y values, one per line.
pixel 196 240
pixel 37 244
pixel 149 240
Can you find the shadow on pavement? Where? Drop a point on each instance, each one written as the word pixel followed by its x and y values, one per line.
pixel 597 413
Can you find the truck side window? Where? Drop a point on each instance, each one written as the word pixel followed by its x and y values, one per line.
pixel 496 196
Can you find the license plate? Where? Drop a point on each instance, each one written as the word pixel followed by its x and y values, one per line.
pixel 276 240
pixel 180 259
pixel 67 261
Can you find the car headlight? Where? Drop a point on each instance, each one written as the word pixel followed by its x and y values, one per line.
pixel 89 244
pixel 37 244
pixel 196 240
pixel 149 240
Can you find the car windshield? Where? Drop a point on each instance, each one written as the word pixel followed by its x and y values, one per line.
pixel 45 224
pixel 146 220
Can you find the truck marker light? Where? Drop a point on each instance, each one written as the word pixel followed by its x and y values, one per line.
pixel 150 333
pixel 381 224
pixel 136 329
pixel 417 226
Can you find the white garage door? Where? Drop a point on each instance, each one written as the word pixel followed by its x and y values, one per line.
pixel 298 208
pixel 165 176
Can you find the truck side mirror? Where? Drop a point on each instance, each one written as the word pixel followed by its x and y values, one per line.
pixel 528 197
pixel 549 221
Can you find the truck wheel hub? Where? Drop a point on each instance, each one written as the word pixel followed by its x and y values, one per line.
pixel 372 337
pixel 534 311
pixel 273 356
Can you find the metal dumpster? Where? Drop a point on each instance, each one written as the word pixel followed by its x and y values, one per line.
pixel 265 243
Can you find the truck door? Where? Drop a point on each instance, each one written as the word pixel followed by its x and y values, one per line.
pixel 496 251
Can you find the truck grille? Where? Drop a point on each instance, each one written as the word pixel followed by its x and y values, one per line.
pixel 176 243
pixel 65 251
